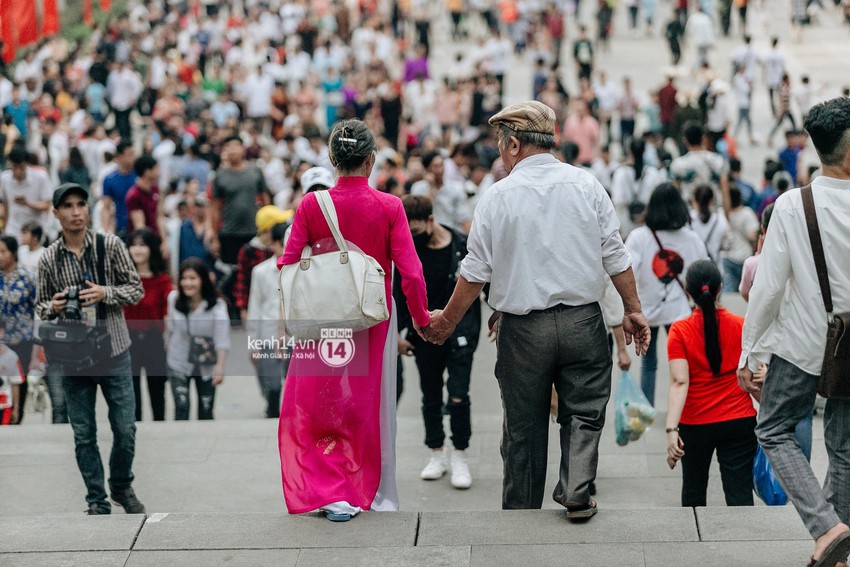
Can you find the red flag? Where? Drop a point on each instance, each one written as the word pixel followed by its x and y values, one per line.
pixel 7 30
pixel 87 16
pixel 50 24
pixel 26 21
pixel 105 5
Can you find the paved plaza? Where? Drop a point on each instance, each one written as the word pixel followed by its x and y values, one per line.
pixel 212 489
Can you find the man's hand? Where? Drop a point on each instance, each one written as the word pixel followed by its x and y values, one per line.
pixel 439 330
pixel 747 381
pixel 59 302
pixel 405 347
pixel 93 294
pixel 635 327
pixel 493 325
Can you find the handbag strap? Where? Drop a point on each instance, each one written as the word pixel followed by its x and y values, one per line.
pixel 329 211
pixel 661 248
pixel 817 245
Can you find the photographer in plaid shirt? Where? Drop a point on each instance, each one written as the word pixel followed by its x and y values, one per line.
pixel 72 261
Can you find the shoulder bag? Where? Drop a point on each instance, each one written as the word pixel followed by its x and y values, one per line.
pixel 201 349
pixel 343 289
pixel 72 343
pixel 834 379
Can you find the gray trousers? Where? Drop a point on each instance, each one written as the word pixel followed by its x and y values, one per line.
pixel 566 347
pixel 787 397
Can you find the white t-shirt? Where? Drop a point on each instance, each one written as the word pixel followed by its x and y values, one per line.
pixel 11 372
pixel 35 187
pixel 743 89
pixel 712 232
pixel 28 259
pixel 663 299
pixel 742 222
pixel 774 67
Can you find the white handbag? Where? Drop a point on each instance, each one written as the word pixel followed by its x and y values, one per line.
pixel 344 289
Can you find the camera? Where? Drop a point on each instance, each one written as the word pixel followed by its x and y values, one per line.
pixel 73 310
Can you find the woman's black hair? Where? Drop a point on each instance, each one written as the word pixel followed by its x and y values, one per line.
pixel 350 144
pixel 765 217
pixel 11 244
pixel 35 230
pixel 637 148
pixel 703 196
pixel 154 243
pixel 666 210
pixel 703 284
pixel 75 158
pixel 208 291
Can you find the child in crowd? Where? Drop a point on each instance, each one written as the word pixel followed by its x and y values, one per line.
pixel 11 378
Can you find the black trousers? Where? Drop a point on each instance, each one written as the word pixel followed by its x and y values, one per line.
pixel 148 351
pixel 432 361
pixel 736 445
pixel 566 347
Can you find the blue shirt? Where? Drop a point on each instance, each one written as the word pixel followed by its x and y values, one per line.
pixel 96 94
pixel 192 246
pixel 17 306
pixel 116 186
pixel 19 115
pixel 788 157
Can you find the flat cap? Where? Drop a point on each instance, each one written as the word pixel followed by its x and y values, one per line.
pixel 529 116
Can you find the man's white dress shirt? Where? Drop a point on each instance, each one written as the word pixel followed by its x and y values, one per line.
pixel 786 315
pixel 545 235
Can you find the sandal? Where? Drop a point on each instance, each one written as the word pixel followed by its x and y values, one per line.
pixel 337 517
pixel 582 513
pixel 836 552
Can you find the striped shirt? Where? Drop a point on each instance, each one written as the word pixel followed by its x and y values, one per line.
pixel 59 268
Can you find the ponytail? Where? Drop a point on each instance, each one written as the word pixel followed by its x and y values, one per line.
pixel 703 285
pixel 704 195
pixel 637 149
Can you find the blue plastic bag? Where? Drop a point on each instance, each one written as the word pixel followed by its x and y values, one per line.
pixel 633 413
pixel 765 484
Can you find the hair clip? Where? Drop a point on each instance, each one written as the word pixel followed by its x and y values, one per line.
pixel 349 140
pixel 705 288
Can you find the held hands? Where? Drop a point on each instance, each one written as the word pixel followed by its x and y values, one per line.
pixel 439 329
pixel 752 382
pixel 635 327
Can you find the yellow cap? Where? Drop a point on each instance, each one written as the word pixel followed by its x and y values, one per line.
pixel 269 216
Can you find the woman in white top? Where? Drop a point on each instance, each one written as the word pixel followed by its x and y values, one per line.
pixel 711 226
pixel 196 315
pixel 661 252
pixel 632 184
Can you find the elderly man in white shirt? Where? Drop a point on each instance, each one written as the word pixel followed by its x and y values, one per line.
pixel 787 318
pixel 544 237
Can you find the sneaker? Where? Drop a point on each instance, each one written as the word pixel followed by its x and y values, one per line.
pixel 460 470
pixel 126 498
pixel 95 510
pixel 436 467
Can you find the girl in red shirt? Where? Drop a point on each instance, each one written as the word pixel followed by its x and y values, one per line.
pixel 145 320
pixel 707 411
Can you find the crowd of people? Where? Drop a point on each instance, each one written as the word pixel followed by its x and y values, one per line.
pixel 158 174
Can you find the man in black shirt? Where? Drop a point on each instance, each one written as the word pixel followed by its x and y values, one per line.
pixel 440 250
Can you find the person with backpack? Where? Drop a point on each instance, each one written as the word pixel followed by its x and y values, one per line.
pixel 708 223
pixel 632 184
pixel 661 252
pixel 337 422
pixel 706 410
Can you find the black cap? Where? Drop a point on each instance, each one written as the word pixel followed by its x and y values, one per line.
pixel 66 188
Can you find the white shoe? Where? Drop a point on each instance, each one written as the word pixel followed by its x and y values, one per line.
pixel 436 467
pixel 460 470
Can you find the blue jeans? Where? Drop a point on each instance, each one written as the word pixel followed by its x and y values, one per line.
pixel 115 378
pixel 732 275
pixel 649 366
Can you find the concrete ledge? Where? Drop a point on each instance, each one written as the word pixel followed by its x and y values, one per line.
pixel 68 533
pixel 521 527
pixel 660 537
pixel 766 523
pixel 65 559
pixel 275 531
